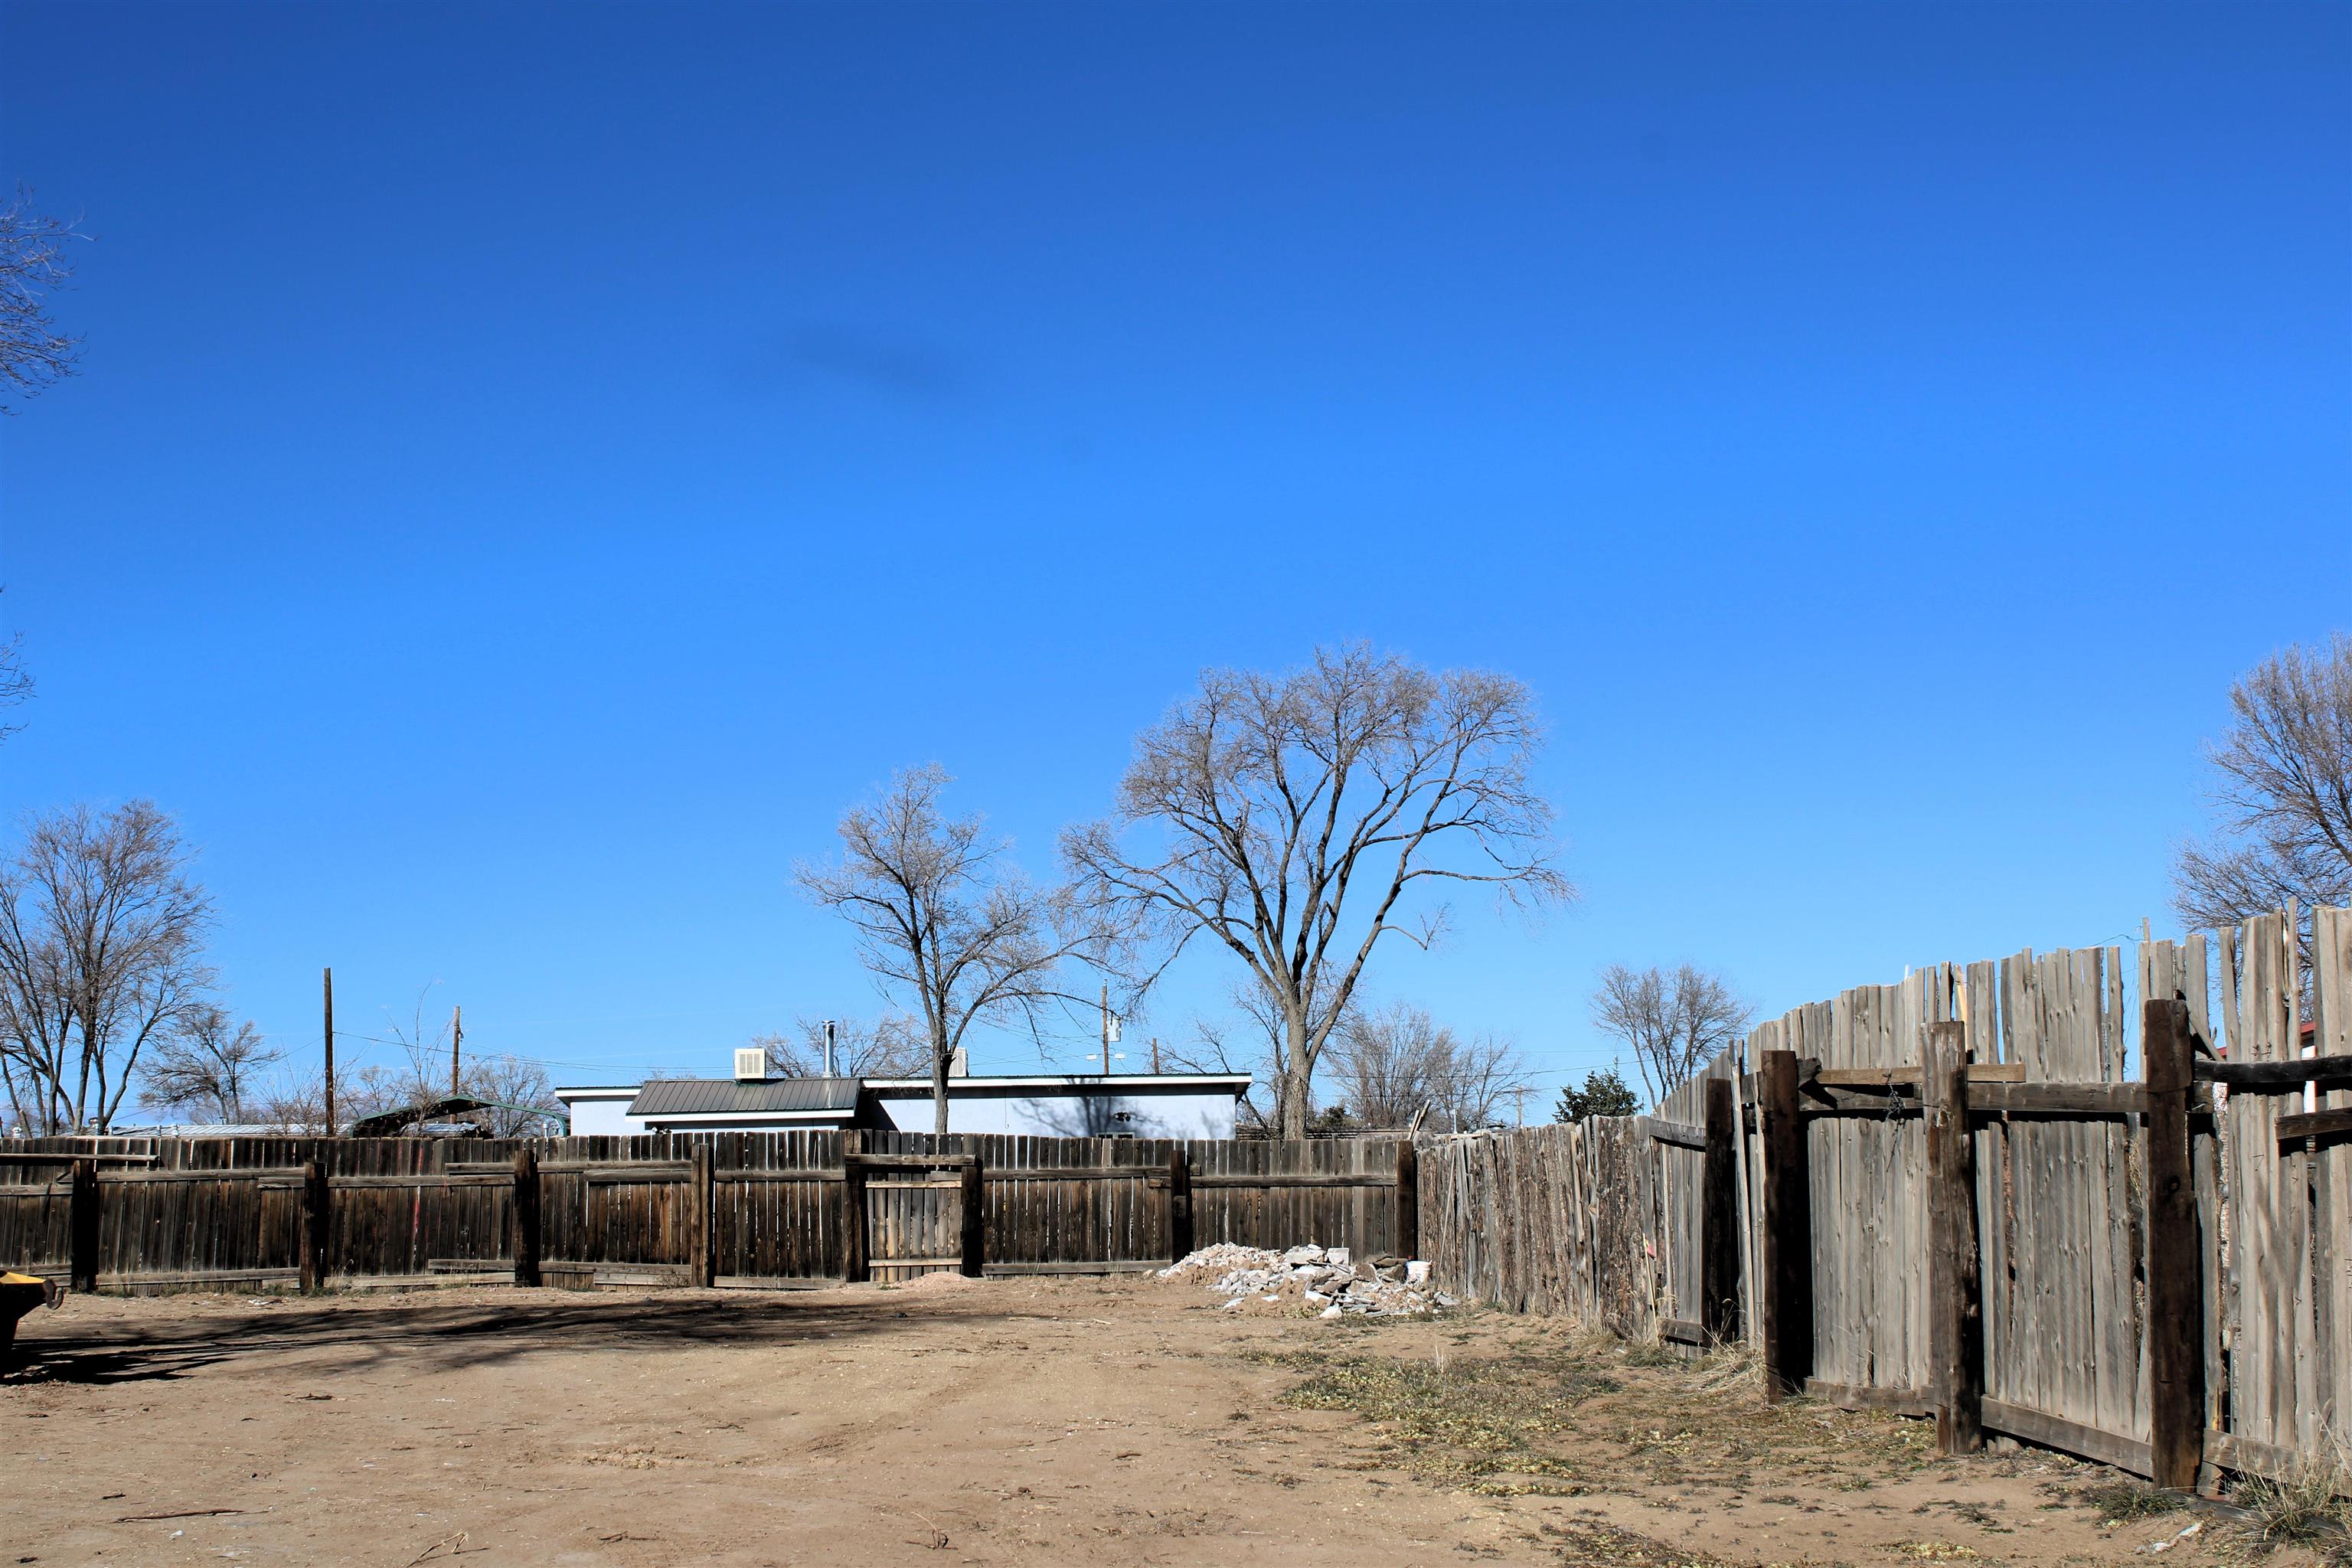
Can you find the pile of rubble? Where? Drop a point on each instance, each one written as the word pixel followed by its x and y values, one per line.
pixel 1323 1281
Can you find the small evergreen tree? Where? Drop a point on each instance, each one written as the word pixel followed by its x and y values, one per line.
pixel 1604 1093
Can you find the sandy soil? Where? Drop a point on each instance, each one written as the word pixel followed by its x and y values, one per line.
pixel 1065 1421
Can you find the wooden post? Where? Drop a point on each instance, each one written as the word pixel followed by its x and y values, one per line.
pixel 316 1196
pixel 853 1209
pixel 2176 1325
pixel 1719 1218
pixel 82 1225
pixel 975 1222
pixel 526 1217
pixel 1955 1304
pixel 1787 1296
pixel 699 1234
pixel 1180 1204
pixel 328 981
pixel 1408 1202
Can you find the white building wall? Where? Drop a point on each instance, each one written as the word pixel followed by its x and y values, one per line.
pixel 598 1114
pixel 1072 1115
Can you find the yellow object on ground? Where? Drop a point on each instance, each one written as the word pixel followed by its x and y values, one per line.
pixel 19 1294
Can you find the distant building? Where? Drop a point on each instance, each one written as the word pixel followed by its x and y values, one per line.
pixel 1058 1105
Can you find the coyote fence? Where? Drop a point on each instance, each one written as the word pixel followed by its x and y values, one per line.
pixel 749 1210
pixel 1984 1196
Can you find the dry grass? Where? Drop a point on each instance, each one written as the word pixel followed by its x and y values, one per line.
pixel 2120 1501
pixel 2310 1505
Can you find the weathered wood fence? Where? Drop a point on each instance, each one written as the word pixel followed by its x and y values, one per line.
pixel 725 1209
pixel 1982 1195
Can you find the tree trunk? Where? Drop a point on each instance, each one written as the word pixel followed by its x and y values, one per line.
pixel 1296 1075
pixel 938 1087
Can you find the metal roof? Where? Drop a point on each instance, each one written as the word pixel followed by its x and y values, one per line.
pixel 728 1096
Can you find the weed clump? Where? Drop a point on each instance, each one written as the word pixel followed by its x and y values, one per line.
pixel 2117 1501
pixel 1465 1422
pixel 2310 1505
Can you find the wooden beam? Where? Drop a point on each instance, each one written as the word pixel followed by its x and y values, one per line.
pixel 1719 1217
pixel 2278 1077
pixel 853 1208
pixel 2313 1124
pixel 1955 1307
pixel 2067 1436
pixel 1787 1296
pixel 1681 1134
pixel 82 1225
pixel 317 1199
pixel 975 1217
pixel 909 1162
pixel 1408 1199
pixel 1179 1202
pixel 2176 1336
pixel 2057 1098
pixel 1846 1396
pixel 526 1217
pixel 701 1234
pixel 1327 1179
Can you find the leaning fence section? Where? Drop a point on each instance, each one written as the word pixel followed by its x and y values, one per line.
pixel 2131 1238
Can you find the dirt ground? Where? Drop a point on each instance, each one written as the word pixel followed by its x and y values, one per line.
pixel 1038 1421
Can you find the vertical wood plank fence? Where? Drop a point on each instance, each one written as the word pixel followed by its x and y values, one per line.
pixel 2118 1222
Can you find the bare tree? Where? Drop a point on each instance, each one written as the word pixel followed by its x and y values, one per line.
pixel 944 920
pixel 1285 817
pixel 893 1046
pixel 522 1101
pixel 102 934
pixel 15 683
pixel 211 1067
pixel 1486 1071
pixel 33 353
pixel 298 1104
pixel 1389 1064
pixel 1673 1023
pixel 2282 796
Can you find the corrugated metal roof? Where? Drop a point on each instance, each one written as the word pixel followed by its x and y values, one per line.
pixel 726 1097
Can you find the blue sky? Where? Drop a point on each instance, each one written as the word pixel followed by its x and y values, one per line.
pixel 533 466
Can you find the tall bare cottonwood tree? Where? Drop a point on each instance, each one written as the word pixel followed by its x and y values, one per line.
pixel 101 938
pixel 1296 819
pixel 1675 1023
pixel 944 920
pixel 33 264
pixel 1398 1063
pixel 212 1066
pixel 2282 794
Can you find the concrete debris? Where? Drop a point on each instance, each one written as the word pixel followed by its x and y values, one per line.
pixel 1314 1280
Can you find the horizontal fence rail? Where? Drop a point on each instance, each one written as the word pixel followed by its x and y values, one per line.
pixel 2058 1197
pixel 750 1210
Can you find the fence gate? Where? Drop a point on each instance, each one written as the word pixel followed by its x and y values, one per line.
pixel 917 1211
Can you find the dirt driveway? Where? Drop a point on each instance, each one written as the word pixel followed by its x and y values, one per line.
pixel 1012 1421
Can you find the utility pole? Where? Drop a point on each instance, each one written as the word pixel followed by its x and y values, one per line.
pixel 330 979
pixel 1155 1056
pixel 1106 1026
pixel 456 1034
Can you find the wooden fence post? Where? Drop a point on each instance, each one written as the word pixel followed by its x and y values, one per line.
pixel 316 1196
pixel 1719 1218
pixel 1955 1304
pixel 853 1209
pixel 975 1221
pixel 1180 1204
pixel 526 1217
pixel 1787 1298
pixel 1408 1201
pixel 2176 1326
pixel 82 1221
pixel 700 1233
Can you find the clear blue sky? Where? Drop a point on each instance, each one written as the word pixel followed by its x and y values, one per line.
pixel 533 466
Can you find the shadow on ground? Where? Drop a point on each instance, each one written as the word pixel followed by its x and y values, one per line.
pixel 449 1338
